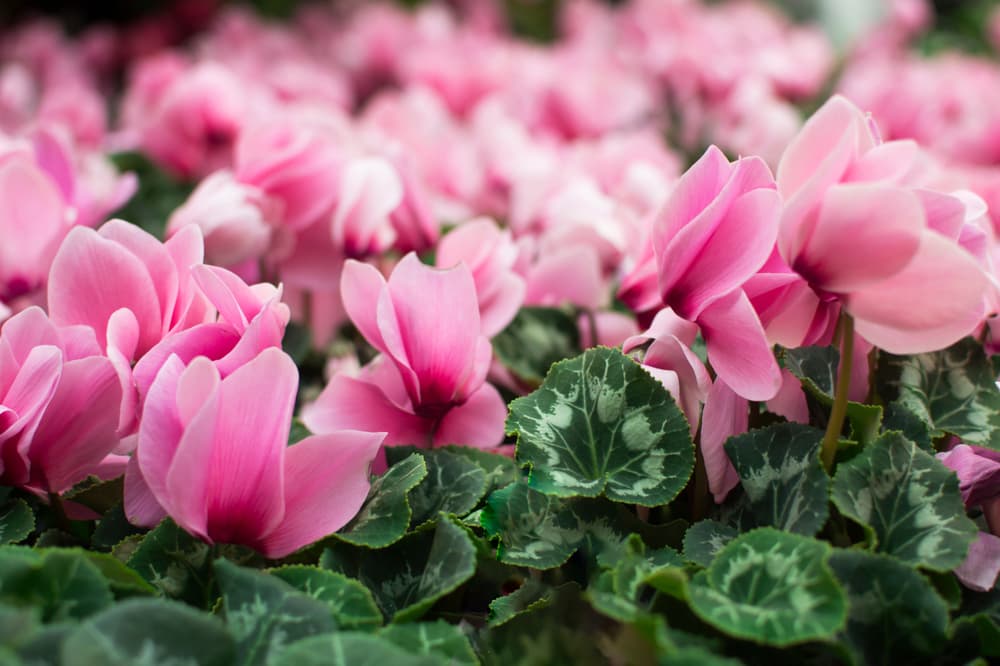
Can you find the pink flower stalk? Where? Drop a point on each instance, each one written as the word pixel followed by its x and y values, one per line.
pixel 59 405
pixel 856 232
pixel 213 454
pixel 234 219
pixel 428 386
pixel 490 254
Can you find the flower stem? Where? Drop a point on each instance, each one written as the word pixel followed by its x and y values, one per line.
pixel 700 498
pixel 839 410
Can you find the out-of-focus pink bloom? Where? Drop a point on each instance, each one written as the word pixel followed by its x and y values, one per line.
pixel 127 286
pixel 853 229
pixel 670 360
pixel 613 328
pixel 78 108
pixel 234 219
pixel 416 227
pixel 428 386
pixel 194 127
pixel 460 82
pixel 213 454
pixel 370 190
pixel 294 162
pixel 490 254
pixel 59 405
pixel 978 471
pixel 33 222
pixel 753 120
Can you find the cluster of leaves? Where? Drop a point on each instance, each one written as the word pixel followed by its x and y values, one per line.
pixel 590 546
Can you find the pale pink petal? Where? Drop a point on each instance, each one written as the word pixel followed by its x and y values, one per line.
pixel 498 311
pixel 547 282
pixel 33 214
pixel 933 302
pixel 352 404
pixel 213 341
pixel 694 191
pixel 864 233
pixel 790 401
pixel 613 329
pixel 738 349
pixel 141 507
pixel 160 430
pixel 370 190
pixel 725 415
pixel 360 287
pixel 666 323
pixel 981 566
pixel 478 422
pixel 326 482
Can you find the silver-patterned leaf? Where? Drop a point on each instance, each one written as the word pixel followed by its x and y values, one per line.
pixel 909 502
pixel 601 424
pixel 704 540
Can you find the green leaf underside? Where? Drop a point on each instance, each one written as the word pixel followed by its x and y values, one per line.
pixel 349 649
pixel 408 577
pixel 454 484
pixel 909 502
pixel 601 424
pixel 62 583
pixel 780 471
pixel 350 602
pixel 532 595
pixel 174 562
pixel 264 613
pixel 437 639
pixel 953 390
pixel 16 521
pixel 704 540
pixel 895 615
pixel 771 587
pixel 149 632
pixel 386 513
pixel 534 340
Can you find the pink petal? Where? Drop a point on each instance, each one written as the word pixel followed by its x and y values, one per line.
pixel 936 300
pixel 141 507
pixel 360 286
pixel 352 404
pixel 790 401
pixel 694 191
pixel 478 422
pixel 666 323
pixel 233 450
pixel 864 233
pixel 80 425
pixel 738 247
pixel 33 214
pixel 738 349
pixel 438 318
pixel 326 482
pixel 370 190
pixel 548 283
pixel 981 566
pixel 499 310
pixel 213 341
pixel 92 277
pixel 725 415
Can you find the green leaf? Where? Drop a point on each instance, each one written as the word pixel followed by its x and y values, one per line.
pixel 454 484
pixel 124 582
pixel 617 592
pixel 534 340
pixel 780 471
pixel 815 367
pixel 704 540
pixel 98 495
pixel 500 470
pixel 175 563
pixel 17 625
pixel 349 649
pixel 908 501
pixel 601 424
pixel 17 520
pixel 112 529
pixel 264 613
pixel 440 639
pixel 901 418
pixel 409 576
pixel 62 584
pixel 895 616
pixel 44 647
pixel 953 390
pixel 351 603
pixel 386 513
pixel 532 595
pixel 153 632
pixel 771 587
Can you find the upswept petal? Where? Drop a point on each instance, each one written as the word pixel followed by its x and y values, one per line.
pixel 360 287
pixel 738 348
pixel 326 482
pixel 478 422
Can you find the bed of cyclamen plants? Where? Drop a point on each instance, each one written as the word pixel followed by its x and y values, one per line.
pixel 385 335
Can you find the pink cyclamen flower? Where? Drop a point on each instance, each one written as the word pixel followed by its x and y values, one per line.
pixel 715 231
pixel 59 405
pixel 370 190
pixel 978 471
pixel 490 254
pixel 213 454
pixel 233 218
pixel 428 386
pixel 856 231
